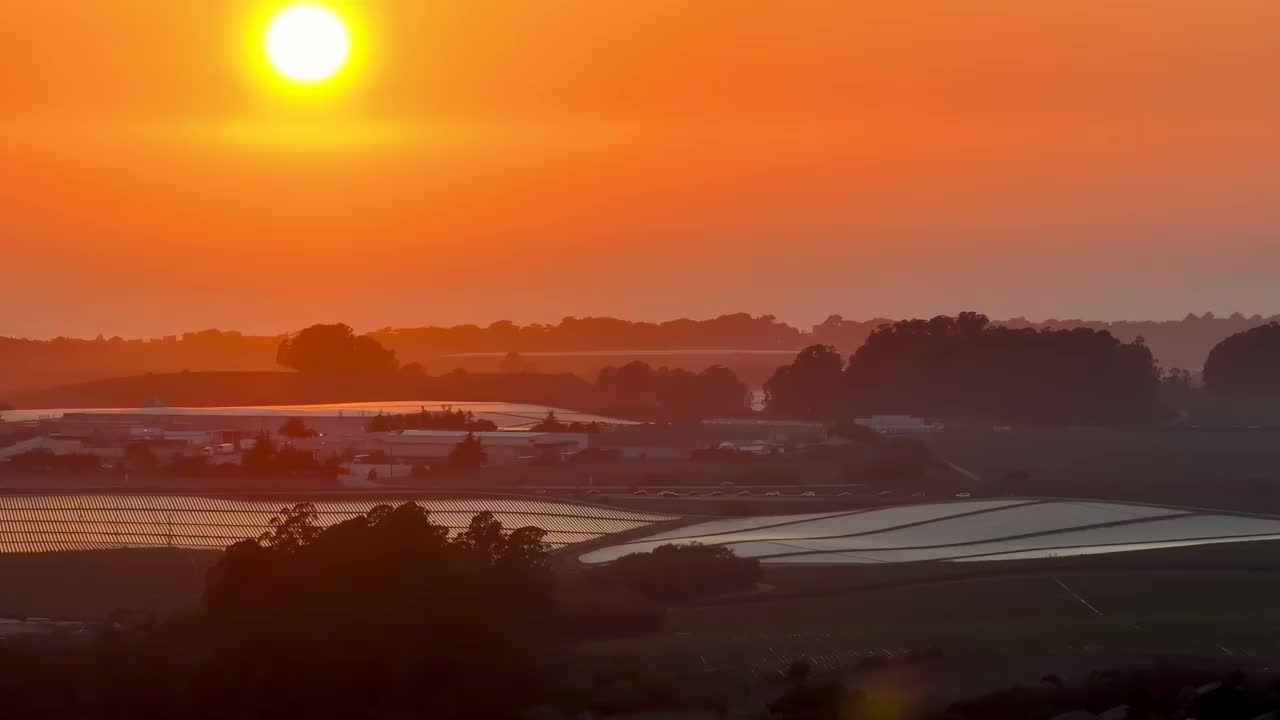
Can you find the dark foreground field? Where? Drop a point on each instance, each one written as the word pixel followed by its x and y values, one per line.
pixel 1221 598
pixel 930 632
pixel 1201 601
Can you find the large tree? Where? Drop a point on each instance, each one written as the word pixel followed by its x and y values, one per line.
pixel 468 454
pixel 384 602
pixel 1247 362
pixel 810 387
pixel 964 366
pixel 296 428
pixel 334 348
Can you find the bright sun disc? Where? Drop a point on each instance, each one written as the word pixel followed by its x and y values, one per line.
pixel 308 43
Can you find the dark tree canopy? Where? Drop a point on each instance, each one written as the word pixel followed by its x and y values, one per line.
pixel 637 388
pixel 391 565
pixel 29 365
pixel 468 454
pixel 808 388
pixel 387 572
pixel 676 573
pixel 964 366
pixel 296 428
pixel 551 423
pixel 334 348
pixel 1247 362
pixel 383 600
pixel 446 419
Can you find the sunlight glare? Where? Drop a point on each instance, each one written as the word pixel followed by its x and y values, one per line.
pixel 308 43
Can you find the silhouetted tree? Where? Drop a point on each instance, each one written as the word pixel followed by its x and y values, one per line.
pixel 334 348
pixel 676 573
pixel 810 387
pixel 258 458
pixel 468 454
pixel 512 363
pixel 550 423
pixel 965 366
pixel 296 428
pixel 383 604
pixel 446 419
pixel 1247 362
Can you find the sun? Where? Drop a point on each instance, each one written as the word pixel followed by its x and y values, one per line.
pixel 308 43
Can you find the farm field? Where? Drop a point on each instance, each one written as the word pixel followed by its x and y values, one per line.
pixel 60 522
pixel 972 530
pixel 503 414
pixel 1228 469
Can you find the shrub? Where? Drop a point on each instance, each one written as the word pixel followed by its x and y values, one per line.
pixel 677 573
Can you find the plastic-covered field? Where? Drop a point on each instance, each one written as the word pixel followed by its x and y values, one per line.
pixel 48 523
pixel 978 530
pixel 507 416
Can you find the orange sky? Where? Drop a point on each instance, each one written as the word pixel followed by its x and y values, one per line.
pixel 529 160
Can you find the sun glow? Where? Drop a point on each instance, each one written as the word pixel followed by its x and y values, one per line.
pixel 308 43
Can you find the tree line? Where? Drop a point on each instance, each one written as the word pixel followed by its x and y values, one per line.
pixel 635 389
pixel 27 364
pixel 1247 362
pixel 966 366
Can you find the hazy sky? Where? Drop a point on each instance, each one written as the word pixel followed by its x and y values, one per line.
pixel 529 160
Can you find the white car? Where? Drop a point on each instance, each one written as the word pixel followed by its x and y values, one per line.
pixel 668 493
pixel 640 492
pixel 772 493
pixel 745 492
pixel 808 493
pixel 963 495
